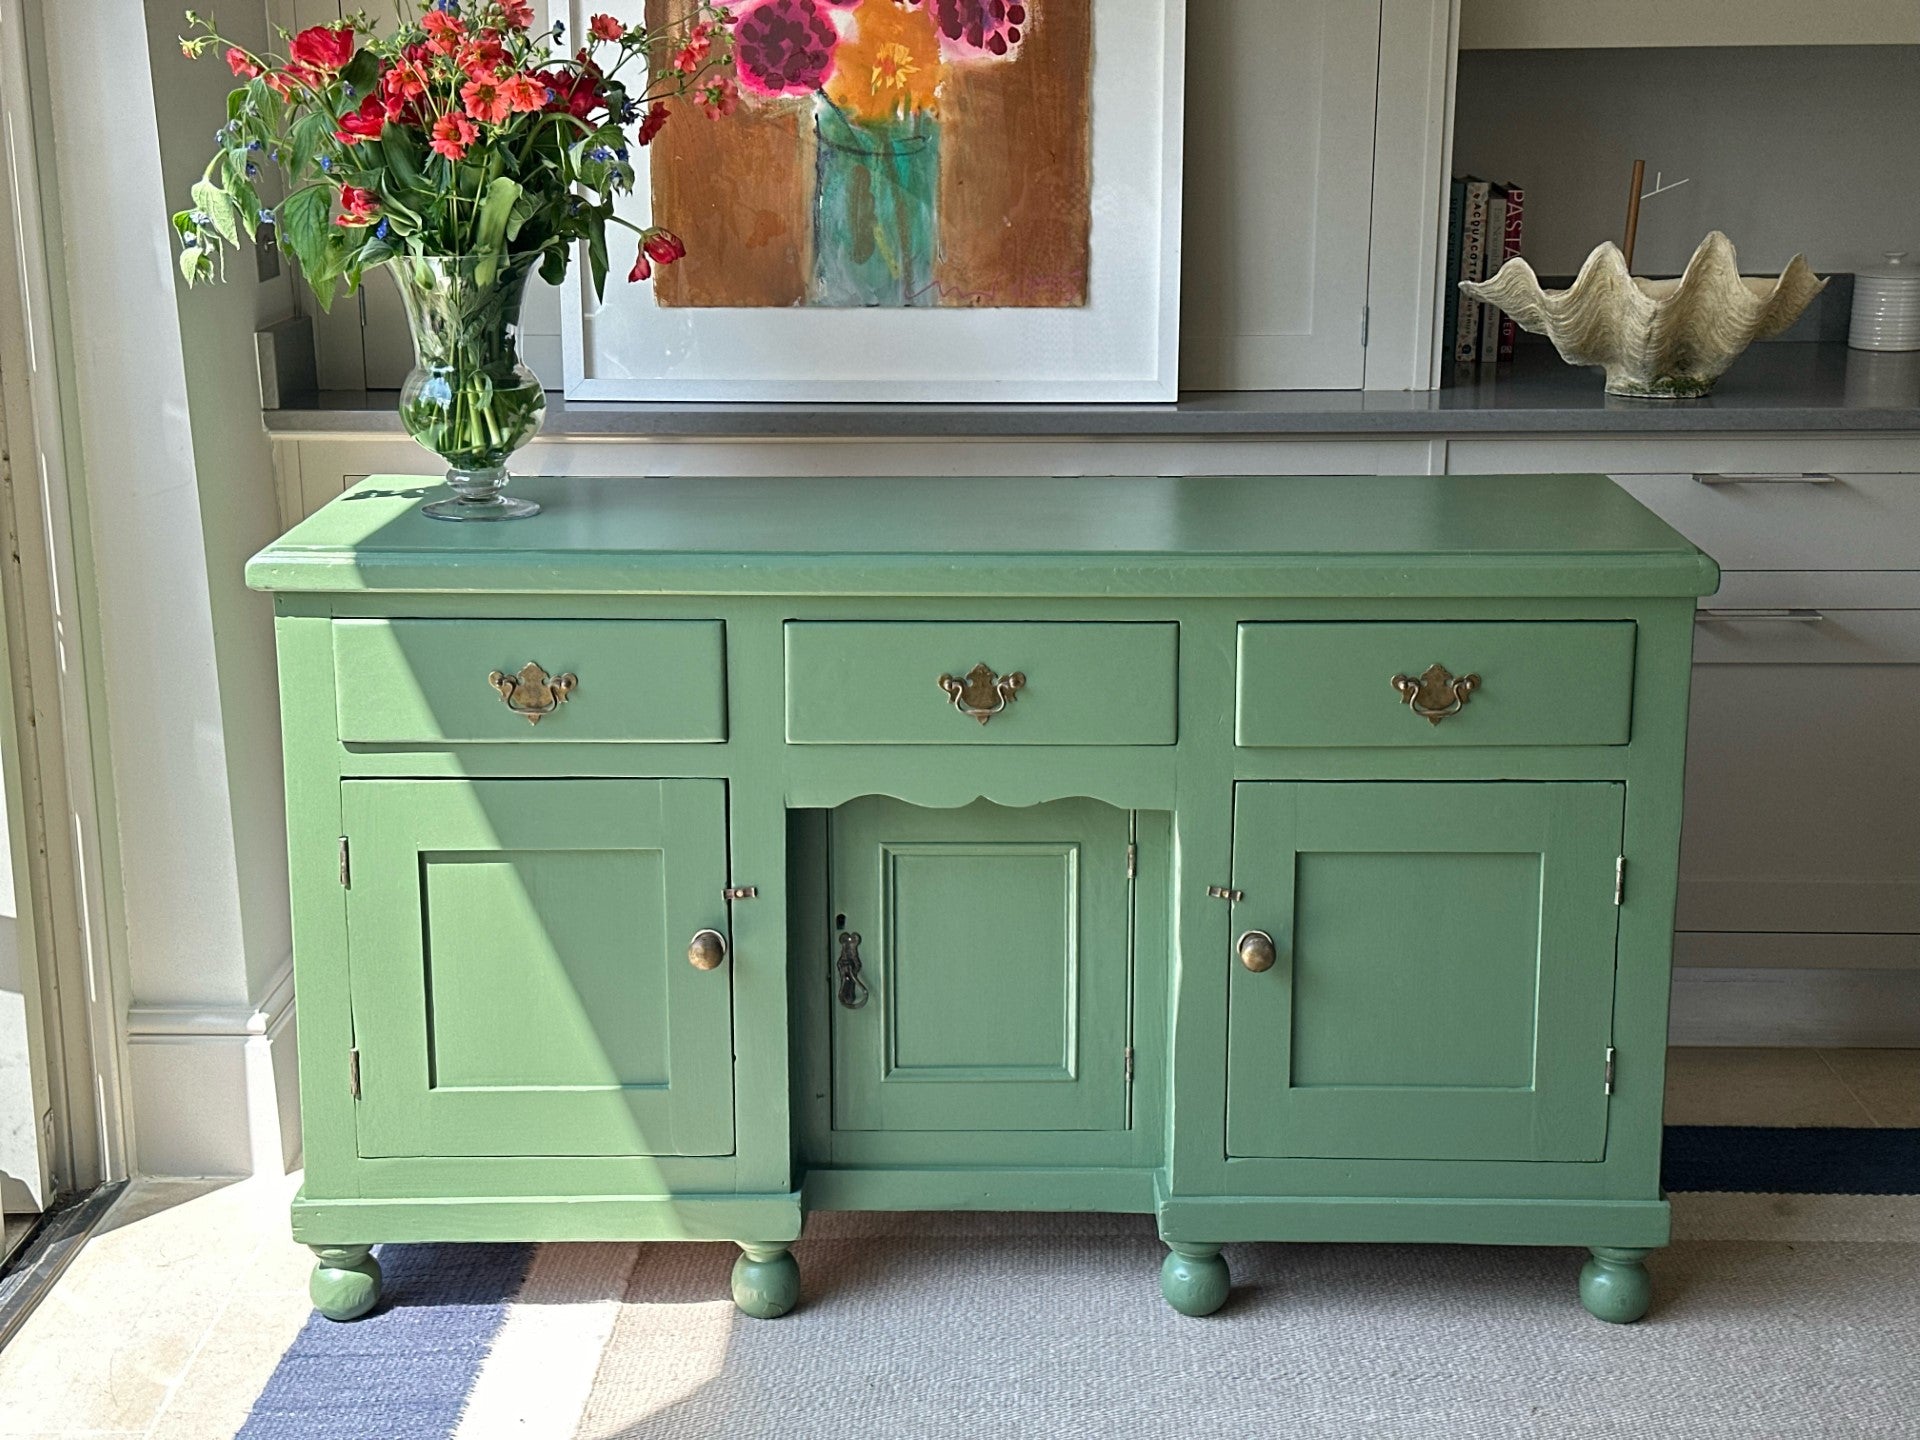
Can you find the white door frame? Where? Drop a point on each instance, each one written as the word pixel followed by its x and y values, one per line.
pixel 46 593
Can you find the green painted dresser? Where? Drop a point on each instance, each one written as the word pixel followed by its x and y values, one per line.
pixel 1288 859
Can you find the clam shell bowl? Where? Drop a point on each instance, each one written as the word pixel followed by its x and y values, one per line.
pixel 1656 339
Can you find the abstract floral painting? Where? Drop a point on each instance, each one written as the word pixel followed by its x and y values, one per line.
pixel 887 154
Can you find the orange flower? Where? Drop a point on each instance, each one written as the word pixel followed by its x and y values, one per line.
pixel 605 27
pixel 889 65
pixel 444 31
pixel 484 101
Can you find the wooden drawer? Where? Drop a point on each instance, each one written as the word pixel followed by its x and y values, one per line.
pixel 1795 521
pixel 858 683
pixel 428 680
pixel 1540 683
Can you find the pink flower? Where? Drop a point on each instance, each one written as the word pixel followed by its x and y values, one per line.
pixel 357 207
pixel 523 92
pixel 482 56
pixel 719 96
pixel 784 47
pixel 517 13
pixel 605 27
pixel 452 134
pixel 984 27
pixel 242 63
pixel 444 31
pixel 484 100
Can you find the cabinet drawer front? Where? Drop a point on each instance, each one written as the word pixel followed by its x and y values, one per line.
pixel 1813 521
pixel 429 680
pixel 861 682
pixel 1539 683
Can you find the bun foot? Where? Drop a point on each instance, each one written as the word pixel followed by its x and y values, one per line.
pixel 766 1281
pixel 1193 1278
pixel 346 1281
pixel 1615 1286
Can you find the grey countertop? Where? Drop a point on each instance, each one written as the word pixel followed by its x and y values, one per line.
pixel 1773 388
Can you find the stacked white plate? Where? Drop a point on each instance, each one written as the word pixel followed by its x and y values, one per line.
pixel 1886 306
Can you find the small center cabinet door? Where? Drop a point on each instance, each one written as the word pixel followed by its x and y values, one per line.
pixel 994 943
pixel 1443 988
pixel 519 967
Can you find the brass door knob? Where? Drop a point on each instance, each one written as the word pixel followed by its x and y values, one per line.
pixel 706 950
pixel 1257 951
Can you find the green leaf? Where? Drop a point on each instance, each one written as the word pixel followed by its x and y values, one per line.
pixel 305 141
pixel 403 161
pixel 597 252
pixel 495 210
pixel 362 73
pixel 553 265
pixel 304 223
pixel 218 207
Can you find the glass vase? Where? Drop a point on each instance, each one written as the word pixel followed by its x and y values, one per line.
pixel 469 399
pixel 875 208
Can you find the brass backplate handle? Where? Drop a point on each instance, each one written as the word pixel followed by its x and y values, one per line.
pixel 532 692
pixel 1437 693
pixel 852 988
pixel 707 950
pixel 982 693
pixel 1257 951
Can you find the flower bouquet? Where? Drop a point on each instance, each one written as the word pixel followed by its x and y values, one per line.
pixel 463 150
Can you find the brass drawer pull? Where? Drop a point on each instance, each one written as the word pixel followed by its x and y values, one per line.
pixel 1257 951
pixel 1436 694
pixel 706 950
pixel 532 692
pixel 982 694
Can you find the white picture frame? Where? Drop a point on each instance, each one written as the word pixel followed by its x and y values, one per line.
pixel 1121 346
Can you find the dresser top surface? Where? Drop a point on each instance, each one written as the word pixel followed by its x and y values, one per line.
pixel 1275 536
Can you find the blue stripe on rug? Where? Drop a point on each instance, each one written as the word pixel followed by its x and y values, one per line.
pixel 1768 1160
pixel 403 1372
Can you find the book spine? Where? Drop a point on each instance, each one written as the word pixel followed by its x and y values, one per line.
pixel 1489 312
pixel 1510 247
pixel 1472 258
pixel 1450 312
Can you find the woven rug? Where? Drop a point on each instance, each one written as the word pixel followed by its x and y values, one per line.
pixel 1785 1307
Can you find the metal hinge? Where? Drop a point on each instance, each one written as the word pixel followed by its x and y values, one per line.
pixel 1221 892
pixel 740 892
pixel 1366 324
pixel 346 866
pixel 353 1072
pixel 1620 880
pixel 1133 861
pixel 1609 1070
pixel 1129 1058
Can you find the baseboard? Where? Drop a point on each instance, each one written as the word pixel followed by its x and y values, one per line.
pixel 1779 1005
pixel 214 1088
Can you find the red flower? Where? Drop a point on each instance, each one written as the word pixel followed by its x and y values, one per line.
pixel 365 123
pixel 484 101
pixel 452 134
pixel 575 91
pixel 518 13
pixel 444 31
pixel 694 53
pixel 525 93
pixel 719 96
pixel 322 47
pixel 482 56
pixel 605 27
pixel 663 246
pixel 652 123
pixel 357 207
pixel 642 268
pixel 402 87
pixel 242 63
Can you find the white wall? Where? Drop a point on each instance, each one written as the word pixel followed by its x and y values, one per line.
pixel 1788 150
pixel 173 455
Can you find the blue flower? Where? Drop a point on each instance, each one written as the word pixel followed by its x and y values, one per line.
pixel 266 216
pixel 623 152
pixel 200 217
pixel 600 152
pixel 252 169
pixel 348 89
pixel 190 242
pixel 326 162
pixel 255 145
pixel 382 230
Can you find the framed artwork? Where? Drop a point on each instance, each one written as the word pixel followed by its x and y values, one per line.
pixel 912 200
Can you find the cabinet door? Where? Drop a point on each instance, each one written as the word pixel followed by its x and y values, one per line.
pixel 1279 193
pixel 995 945
pixel 519 967
pixel 1444 982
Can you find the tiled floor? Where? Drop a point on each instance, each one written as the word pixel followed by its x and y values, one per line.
pixel 170 1321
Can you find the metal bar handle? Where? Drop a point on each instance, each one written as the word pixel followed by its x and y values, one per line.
pixel 1792 615
pixel 1807 477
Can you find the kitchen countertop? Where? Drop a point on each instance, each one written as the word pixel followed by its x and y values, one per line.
pixel 1779 387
